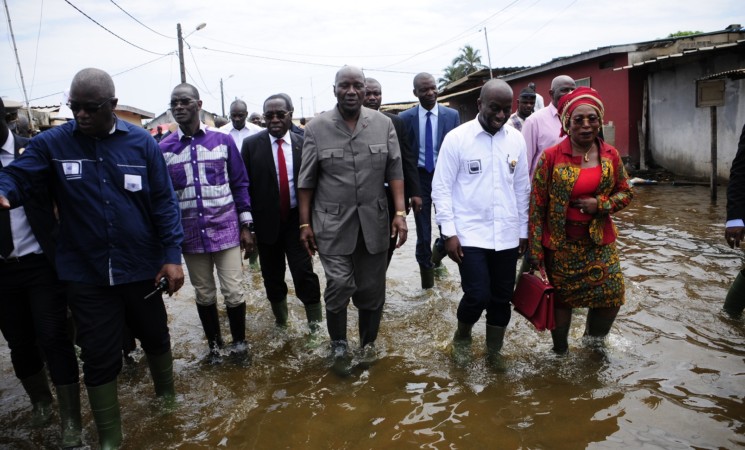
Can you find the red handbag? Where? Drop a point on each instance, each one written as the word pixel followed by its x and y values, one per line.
pixel 534 299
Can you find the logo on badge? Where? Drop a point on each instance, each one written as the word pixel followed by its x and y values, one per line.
pixel 72 169
pixel 474 166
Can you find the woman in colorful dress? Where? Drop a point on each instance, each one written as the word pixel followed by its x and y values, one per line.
pixel 576 187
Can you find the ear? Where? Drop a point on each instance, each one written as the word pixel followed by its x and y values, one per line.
pixel 199 104
pixel 478 104
pixel 114 102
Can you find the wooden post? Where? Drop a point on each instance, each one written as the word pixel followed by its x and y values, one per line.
pixel 713 181
pixel 643 128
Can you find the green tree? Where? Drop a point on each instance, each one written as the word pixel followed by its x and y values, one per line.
pixel 469 59
pixel 678 34
pixel 450 73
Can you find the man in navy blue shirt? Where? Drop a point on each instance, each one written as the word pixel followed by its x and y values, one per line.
pixel 120 233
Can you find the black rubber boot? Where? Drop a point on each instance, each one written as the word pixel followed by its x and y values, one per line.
pixel 37 388
pixel 438 252
pixel 161 370
pixel 494 341
pixel 597 327
pixel 314 314
pixel 105 408
pixel 280 312
pixel 337 325
pixel 237 321
pixel 560 337
pixel 369 325
pixel 68 400
pixel 734 303
pixel 428 277
pixel 211 324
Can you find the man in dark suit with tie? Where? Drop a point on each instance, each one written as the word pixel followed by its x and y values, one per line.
pixel 272 158
pixel 426 125
pixel 373 98
pixel 33 308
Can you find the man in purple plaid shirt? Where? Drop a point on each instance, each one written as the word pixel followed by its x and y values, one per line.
pixel 210 180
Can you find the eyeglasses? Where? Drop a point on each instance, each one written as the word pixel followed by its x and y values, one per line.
pixel 89 108
pixel 269 115
pixel 175 103
pixel 580 120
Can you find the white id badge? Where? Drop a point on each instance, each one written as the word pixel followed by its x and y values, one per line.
pixel 132 183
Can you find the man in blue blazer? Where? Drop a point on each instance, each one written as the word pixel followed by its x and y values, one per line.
pixel 426 125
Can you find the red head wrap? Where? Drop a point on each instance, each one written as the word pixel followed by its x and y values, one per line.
pixel 583 95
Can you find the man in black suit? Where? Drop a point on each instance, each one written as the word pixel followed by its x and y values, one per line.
pixel 373 99
pixel 735 227
pixel 272 159
pixel 33 308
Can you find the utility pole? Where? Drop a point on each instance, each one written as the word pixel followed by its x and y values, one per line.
pixel 488 53
pixel 302 110
pixel 180 52
pixel 222 98
pixel 20 71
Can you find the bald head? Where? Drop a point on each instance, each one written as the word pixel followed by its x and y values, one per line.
pixel 92 79
pixel 561 86
pixel 186 87
pixel 495 105
pixel 348 70
pixel 495 87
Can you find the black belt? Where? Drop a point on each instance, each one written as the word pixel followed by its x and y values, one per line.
pixel 20 259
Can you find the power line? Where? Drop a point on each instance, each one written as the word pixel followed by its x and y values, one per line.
pixel 116 35
pixel 135 19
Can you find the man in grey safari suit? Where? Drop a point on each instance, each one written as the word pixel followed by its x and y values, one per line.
pixel 348 154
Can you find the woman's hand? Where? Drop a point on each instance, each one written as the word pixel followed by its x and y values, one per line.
pixel 586 205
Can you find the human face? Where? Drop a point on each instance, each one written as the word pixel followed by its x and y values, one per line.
pixel 584 126
pixel 93 110
pixel 350 91
pixel 525 106
pixel 238 115
pixel 425 90
pixel 255 119
pixel 494 109
pixel 561 89
pixel 185 108
pixel 272 110
pixel 373 95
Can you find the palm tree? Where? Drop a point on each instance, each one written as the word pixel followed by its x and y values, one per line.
pixel 450 74
pixel 469 59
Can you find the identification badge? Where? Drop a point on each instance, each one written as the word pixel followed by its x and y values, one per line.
pixel 132 183
pixel 72 169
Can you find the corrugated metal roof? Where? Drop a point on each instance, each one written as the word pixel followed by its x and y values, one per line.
pixel 686 52
pixel 735 74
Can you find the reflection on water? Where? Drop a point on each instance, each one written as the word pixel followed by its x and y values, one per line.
pixel 671 376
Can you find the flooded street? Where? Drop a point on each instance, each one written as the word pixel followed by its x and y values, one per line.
pixel 672 375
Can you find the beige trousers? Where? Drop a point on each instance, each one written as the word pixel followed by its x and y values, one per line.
pixel 201 267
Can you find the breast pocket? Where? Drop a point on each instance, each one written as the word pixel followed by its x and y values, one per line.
pixel 378 155
pixel 133 176
pixel 331 157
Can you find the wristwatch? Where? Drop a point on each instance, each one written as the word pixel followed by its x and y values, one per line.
pixel 249 226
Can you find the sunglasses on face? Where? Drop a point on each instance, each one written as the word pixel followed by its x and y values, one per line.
pixel 89 108
pixel 269 115
pixel 175 103
pixel 580 120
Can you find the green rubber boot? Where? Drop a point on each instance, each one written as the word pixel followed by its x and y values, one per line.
pixel 734 303
pixel 161 370
pixel 37 388
pixel 314 314
pixel 280 312
pixel 68 400
pixel 462 343
pixel 105 408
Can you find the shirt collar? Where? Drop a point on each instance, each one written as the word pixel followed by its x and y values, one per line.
pixel 552 108
pixel 423 112
pixel 285 138
pixel 202 128
pixel 9 145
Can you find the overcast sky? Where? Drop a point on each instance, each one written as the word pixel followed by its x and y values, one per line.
pixel 262 48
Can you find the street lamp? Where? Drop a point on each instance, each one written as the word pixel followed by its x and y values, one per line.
pixel 181 47
pixel 222 95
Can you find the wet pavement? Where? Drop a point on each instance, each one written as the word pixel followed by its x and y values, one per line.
pixel 672 374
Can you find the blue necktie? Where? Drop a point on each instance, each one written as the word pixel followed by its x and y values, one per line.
pixel 429 146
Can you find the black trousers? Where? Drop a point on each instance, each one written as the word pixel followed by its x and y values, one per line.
pixel 100 313
pixel 33 316
pixel 488 280
pixel 272 259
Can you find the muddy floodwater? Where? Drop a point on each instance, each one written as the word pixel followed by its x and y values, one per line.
pixel 671 377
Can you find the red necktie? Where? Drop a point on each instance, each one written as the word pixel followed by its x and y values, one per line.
pixel 284 184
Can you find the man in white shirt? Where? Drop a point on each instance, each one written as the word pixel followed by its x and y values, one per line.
pixel 538 97
pixel 238 128
pixel 480 190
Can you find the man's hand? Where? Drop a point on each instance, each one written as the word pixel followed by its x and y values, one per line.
pixel 733 235
pixel 453 249
pixel 416 204
pixel 308 239
pixel 4 203
pixel 523 246
pixel 399 228
pixel 248 243
pixel 175 275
